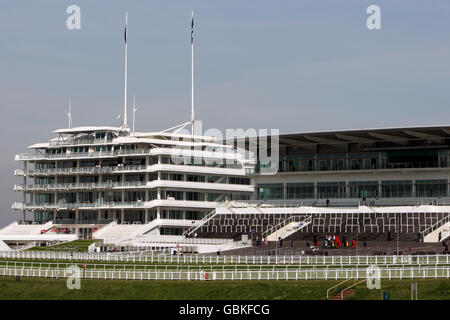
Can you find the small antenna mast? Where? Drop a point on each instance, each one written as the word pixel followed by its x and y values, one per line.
pixel 69 114
pixel 134 111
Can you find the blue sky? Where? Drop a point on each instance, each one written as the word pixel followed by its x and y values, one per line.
pixel 290 65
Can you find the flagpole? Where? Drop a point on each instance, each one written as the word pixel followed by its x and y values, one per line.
pixel 192 73
pixel 126 72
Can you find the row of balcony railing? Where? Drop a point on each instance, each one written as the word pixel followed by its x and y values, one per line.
pixel 178 152
pixel 74 142
pixel 132 184
pixel 342 167
pixel 106 153
pixel 83 221
pixel 85 170
pixel 59 204
pixel 71 186
pixel 111 169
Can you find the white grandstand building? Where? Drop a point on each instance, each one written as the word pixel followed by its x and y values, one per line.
pixel 107 182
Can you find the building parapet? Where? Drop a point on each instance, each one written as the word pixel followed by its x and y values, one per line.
pixel 133 168
pixel 134 184
pixel 131 152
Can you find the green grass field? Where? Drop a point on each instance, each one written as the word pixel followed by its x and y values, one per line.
pixel 76 245
pixel 52 289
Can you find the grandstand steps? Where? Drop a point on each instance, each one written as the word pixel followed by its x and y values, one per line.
pixel 372 248
pixel 346 294
pixel 434 236
pixel 287 228
pixel 4 246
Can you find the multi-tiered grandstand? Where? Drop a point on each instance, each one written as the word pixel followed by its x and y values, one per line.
pixel 162 189
pixel 93 180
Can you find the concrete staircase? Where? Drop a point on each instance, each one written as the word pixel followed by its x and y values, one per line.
pixel 4 246
pixel 287 227
pixel 431 234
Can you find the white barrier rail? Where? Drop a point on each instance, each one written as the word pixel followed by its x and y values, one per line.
pixel 152 257
pixel 298 274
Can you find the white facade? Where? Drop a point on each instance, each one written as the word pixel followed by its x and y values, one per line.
pixel 88 177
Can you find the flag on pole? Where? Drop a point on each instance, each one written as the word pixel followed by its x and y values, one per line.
pixel 192 28
pixel 125 34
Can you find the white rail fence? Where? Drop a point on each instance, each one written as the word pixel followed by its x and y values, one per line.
pixel 152 257
pixel 298 274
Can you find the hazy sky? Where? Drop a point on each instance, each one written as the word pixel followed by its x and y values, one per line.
pixel 290 65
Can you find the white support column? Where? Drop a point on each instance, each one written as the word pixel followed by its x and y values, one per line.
pixel 347 187
pixel 24 211
pixel 380 188
pixel 316 189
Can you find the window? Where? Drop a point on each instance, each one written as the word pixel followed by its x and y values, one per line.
pixel 356 161
pixel 212 179
pixel 270 191
pixel 88 179
pixel 176 177
pixel 216 197
pixel 45 180
pixel 239 197
pixel 417 158
pixel 153 195
pixel 178 195
pixel 80 149
pixel 134 195
pixel 324 162
pixel 431 188
pixel 239 180
pixel 300 190
pixel 175 214
pixel 195 178
pixel 363 189
pixel 103 148
pixel 370 161
pixel 194 215
pixel 331 190
pixel 396 188
pixel 195 196
pixel 338 164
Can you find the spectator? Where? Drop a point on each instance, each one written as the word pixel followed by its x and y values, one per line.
pixel 281 242
pixel 445 245
pixel 292 243
pixel 440 237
